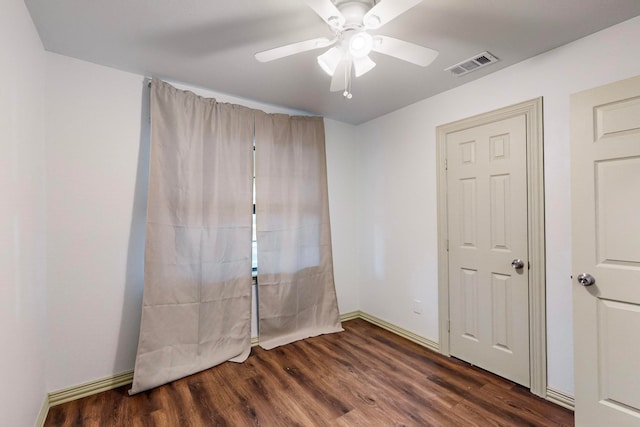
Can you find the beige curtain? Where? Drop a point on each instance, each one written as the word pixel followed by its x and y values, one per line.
pixel 197 293
pixel 296 292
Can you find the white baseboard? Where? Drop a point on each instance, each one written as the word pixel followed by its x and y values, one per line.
pixel 424 342
pixel 90 388
pixel 560 398
pixel 44 410
pixel 351 315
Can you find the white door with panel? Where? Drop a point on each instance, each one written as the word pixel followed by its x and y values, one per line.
pixel 605 187
pixel 488 261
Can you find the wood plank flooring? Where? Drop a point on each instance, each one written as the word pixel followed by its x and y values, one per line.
pixel 365 376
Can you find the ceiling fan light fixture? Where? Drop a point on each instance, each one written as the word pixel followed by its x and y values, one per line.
pixel 360 44
pixel 329 60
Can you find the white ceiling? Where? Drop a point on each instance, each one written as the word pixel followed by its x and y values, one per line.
pixel 211 43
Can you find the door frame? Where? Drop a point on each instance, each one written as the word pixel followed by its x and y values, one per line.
pixel 532 110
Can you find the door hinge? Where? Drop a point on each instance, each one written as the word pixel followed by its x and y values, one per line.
pixel 446 165
pixel 447 245
pixel 449 326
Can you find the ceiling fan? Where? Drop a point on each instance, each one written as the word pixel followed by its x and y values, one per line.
pixel 350 21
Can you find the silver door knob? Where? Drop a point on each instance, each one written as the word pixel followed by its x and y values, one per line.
pixel 517 264
pixel 586 279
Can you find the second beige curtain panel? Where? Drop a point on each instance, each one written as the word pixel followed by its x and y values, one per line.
pixel 296 291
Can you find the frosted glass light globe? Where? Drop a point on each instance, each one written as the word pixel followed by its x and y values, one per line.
pixel 360 45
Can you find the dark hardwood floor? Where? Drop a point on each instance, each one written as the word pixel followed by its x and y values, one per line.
pixel 364 376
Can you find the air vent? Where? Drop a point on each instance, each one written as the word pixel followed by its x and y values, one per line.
pixel 474 63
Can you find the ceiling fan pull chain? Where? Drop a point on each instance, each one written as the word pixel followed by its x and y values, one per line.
pixel 346 83
pixel 347 80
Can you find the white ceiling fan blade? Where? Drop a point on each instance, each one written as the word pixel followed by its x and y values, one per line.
pixel 292 49
pixel 328 12
pixel 339 79
pixel 363 65
pixel 385 11
pixel 406 51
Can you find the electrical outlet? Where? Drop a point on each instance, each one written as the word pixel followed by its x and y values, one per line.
pixel 417 306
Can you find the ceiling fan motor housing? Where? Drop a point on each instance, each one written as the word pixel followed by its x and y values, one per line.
pixel 353 12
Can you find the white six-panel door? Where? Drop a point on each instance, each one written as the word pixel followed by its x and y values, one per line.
pixel 487 229
pixel 605 186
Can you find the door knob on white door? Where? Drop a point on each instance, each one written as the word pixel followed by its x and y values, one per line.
pixel 586 279
pixel 517 264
